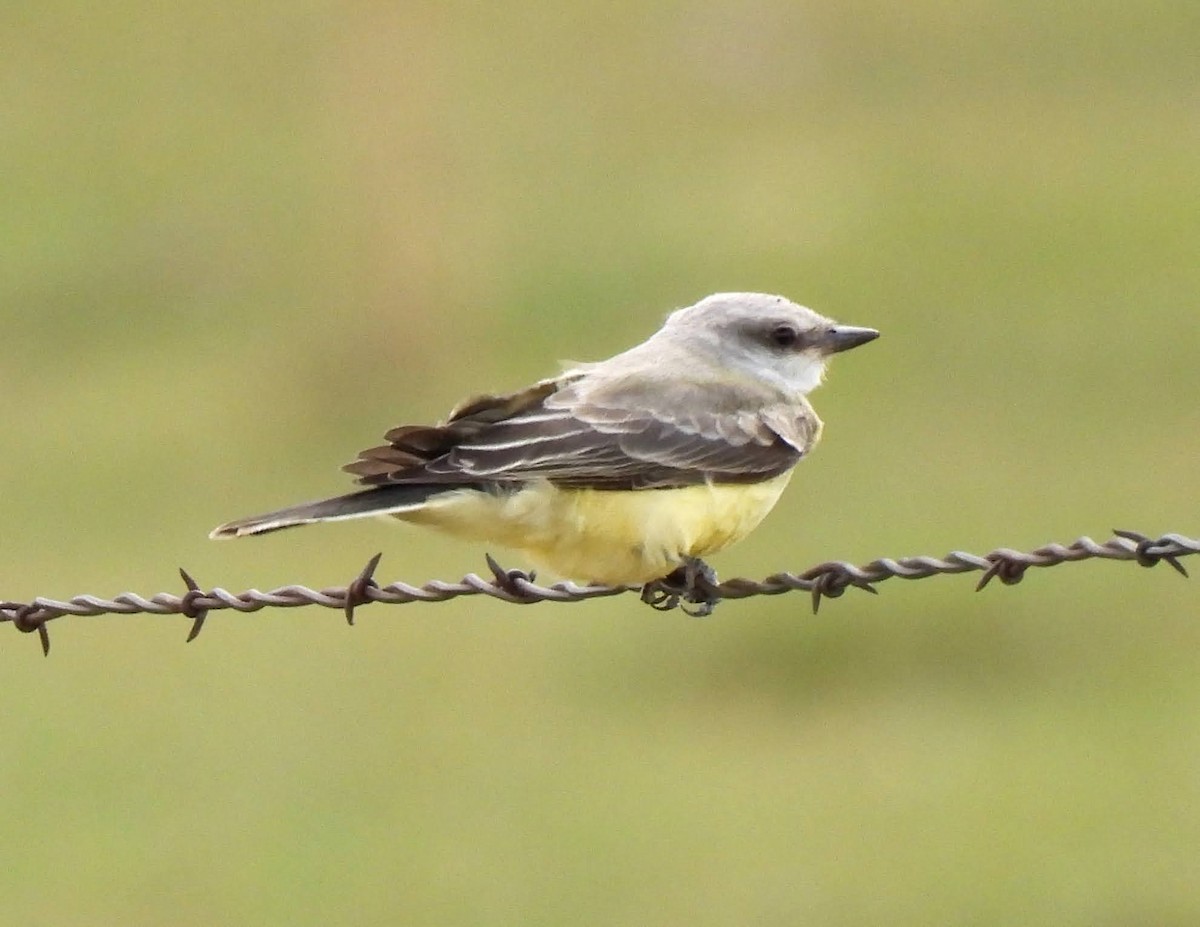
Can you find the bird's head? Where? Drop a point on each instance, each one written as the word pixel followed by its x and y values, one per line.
pixel 764 336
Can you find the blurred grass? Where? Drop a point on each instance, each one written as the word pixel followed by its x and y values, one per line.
pixel 241 241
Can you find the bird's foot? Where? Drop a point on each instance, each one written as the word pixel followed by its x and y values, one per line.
pixel 692 584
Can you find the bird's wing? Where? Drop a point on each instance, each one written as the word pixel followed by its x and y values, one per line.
pixel 620 434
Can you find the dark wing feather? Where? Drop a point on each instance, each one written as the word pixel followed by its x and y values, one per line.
pixel 615 439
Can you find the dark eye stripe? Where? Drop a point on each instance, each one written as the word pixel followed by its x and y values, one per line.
pixel 785 336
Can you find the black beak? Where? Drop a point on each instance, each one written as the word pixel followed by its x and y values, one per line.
pixel 845 337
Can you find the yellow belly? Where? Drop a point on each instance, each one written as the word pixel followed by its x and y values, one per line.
pixel 606 537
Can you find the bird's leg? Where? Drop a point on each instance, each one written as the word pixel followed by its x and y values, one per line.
pixel 699 578
pixel 691 583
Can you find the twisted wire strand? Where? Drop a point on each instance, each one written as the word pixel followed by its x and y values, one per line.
pixel 825 580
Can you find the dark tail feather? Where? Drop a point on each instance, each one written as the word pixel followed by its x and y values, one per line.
pixel 377 501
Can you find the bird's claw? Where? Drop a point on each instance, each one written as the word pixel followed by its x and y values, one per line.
pixel 692 584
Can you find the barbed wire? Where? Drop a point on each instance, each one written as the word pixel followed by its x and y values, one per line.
pixel 825 580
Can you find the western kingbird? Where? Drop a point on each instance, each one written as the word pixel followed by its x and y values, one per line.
pixel 616 472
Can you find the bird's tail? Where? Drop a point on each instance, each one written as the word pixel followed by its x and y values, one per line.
pixel 380 500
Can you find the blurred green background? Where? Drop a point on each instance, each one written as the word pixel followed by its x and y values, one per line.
pixel 242 240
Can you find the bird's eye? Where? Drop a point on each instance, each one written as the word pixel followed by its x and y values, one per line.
pixel 784 336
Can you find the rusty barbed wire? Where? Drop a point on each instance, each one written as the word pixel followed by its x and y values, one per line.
pixel 825 580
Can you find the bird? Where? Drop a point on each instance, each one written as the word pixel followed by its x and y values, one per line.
pixel 626 471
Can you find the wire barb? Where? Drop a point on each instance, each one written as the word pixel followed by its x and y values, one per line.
pixel 1147 554
pixel 188 607
pixel 28 619
pixel 1006 566
pixel 830 580
pixel 695 586
pixel 516 584
pixel 359 591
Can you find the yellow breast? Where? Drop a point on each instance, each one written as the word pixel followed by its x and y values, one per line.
pixel 606 536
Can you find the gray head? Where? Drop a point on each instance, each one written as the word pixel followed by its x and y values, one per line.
pixel 766 336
